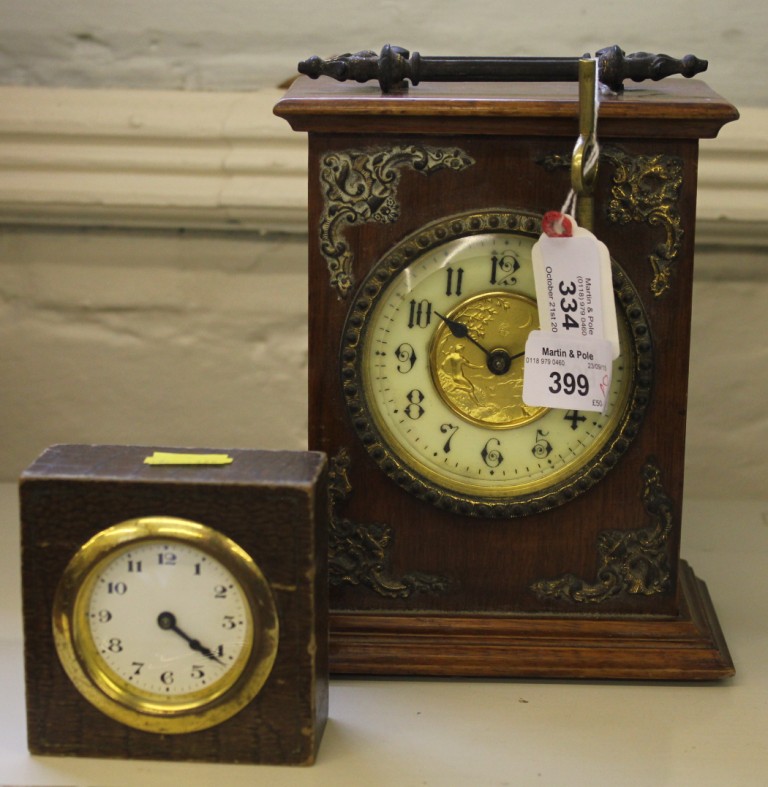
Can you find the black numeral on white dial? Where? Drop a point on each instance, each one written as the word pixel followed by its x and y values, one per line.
pixel 439 362
pixel 160 603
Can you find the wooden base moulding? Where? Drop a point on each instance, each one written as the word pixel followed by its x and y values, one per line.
pixel 688 647
pixel 426 577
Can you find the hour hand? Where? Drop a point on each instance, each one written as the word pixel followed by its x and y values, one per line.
pixel 460 331
pixel 498 361
pixel 167 622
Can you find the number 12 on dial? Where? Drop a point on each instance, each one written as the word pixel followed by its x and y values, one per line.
pixel 165 624
pixel 441 362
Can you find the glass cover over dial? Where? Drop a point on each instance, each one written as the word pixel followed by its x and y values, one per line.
pixel 432 366
pixel 165 624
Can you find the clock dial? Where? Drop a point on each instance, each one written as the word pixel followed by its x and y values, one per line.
pixel 168 620
pixel 434 381
pixel 165 624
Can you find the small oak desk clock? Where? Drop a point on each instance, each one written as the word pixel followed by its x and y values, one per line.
pixel 175 610
pixel 470 534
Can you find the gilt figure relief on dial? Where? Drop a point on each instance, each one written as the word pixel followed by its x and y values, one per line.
pixel 433 376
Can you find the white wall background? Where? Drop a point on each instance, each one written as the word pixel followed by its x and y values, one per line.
pixel 246 44
pixel 152 250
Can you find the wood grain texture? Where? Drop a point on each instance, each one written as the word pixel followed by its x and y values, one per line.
pixel 271 503
pixel 672 108
pixel 490 565
pixel 688 647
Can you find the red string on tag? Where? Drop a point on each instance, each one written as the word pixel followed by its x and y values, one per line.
pixel 555 224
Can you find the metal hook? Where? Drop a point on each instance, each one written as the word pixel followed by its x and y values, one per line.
pixel 583 165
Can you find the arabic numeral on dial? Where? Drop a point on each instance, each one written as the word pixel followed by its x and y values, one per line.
pixel 574 417
pixel 503 269
pixel 115 645
pixel 167 678
pixel 542 447
pixel 406 356
pixel 414 410
pixel 450 430
pixel 491 454
pixel 420 314
pixel 117 588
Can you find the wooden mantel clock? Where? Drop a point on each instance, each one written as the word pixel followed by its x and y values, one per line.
pixel 470 534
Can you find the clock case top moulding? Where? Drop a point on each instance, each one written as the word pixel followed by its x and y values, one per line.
pixel 591 588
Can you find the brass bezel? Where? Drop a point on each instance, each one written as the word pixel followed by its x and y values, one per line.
pixel 421 482
pixel 139 709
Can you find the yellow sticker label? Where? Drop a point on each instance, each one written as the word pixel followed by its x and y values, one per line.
pixel 166 458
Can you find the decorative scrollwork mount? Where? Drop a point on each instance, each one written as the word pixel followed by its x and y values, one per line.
pixel 632 562
pixel 361 186
pixel 644 189
pixel 360 553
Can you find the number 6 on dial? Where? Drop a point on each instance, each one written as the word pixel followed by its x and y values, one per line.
pixel 435 349
pixel 165 624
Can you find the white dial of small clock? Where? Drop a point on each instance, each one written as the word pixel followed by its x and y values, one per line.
pixel 443 371
pixel 168 619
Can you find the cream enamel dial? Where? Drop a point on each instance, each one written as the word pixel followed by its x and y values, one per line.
pixel 434 381
pixel 165 625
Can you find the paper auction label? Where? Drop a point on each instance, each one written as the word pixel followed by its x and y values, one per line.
pixel 567 372
pixel 574 290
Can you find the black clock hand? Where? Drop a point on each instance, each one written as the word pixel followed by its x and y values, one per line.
pixel 460 331
pixel 498 361
pixel 167 622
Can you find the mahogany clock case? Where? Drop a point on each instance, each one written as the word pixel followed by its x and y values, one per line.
pixel 416 588
pixel 270 503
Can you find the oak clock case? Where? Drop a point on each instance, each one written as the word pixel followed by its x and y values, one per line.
pixel 421 202
pixel 175 611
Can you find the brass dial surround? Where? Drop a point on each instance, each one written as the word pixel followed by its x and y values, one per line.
pixel 113 648
pixel 402 464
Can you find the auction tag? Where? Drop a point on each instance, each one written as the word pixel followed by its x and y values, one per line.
pixel 571 373
pixel 574 287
